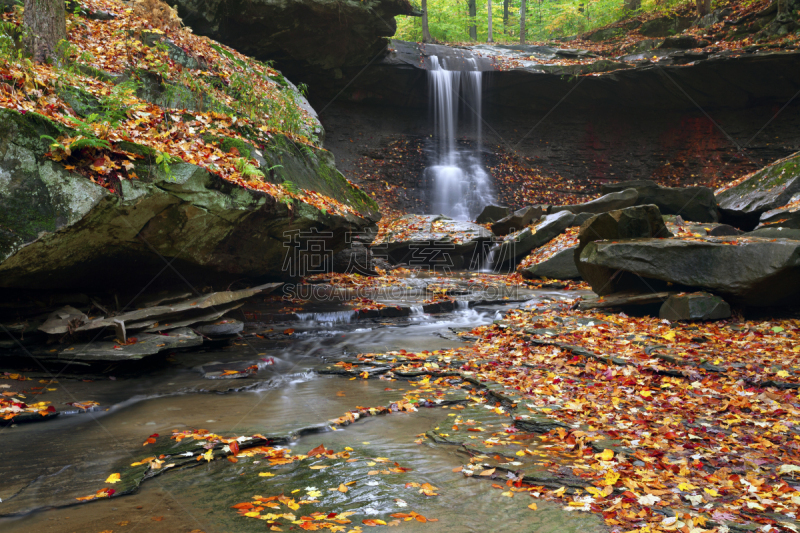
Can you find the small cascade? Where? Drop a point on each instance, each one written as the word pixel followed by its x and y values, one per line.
pixel 462 305
pixel 418 313
pixel 460 185
pixel 333 317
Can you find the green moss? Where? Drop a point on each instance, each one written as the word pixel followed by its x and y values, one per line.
pixel 226 143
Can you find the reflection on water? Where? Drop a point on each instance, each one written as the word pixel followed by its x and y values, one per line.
pixel 50 464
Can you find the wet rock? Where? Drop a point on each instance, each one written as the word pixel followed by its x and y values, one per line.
pixel 145 344
pixel 395 311
pixel 559 266
pixel 629 223
pixel 432 241
pixel 517 220
pixel 608 202
pixel 723 230
pixel 624 299
pixel 519 244
pixel 770 188
pixel 493 213
pixel 754 271
pixel 181 312
pixel 356 259
pixel 695 306
pixel 776 233
pixel 445 306
pixel 785 217
pixel 697 204
pixel 221 328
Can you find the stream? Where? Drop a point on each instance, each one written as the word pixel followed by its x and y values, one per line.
pixel 48 465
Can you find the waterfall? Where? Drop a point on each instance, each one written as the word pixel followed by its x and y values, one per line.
pixel 460 185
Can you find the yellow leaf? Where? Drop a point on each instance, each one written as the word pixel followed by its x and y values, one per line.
pixel 607 455
pixel 611 478
pixel 783 374
pixel 113 478
pixel 265 474
pixel 508 494
pixel 711 492
pixel 686 486
pixel 342 488
pixel 532 507
pixel 670 336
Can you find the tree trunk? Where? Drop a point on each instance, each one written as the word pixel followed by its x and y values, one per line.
pixel 473 12
pixel 522 22
pixel 783 10
pixel 505 17
pixel 426 34
pixel 703 7
pixel 489 5
pixel 633 5
pixel 46 24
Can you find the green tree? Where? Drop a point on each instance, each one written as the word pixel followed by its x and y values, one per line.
pixel 45 24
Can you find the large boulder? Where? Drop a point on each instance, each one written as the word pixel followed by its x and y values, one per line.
pixel 517 220
pixel 58 229
pixel 748 270
pixel 319 34
pixel 607 202
pixel 493 213
pixel 630 223
pixel 770 188
pixel 696 204
pixel 433 242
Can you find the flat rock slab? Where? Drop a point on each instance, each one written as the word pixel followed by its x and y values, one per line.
pixel 623 299
pixel 203 306
pixel 517 220
pixel 432 240
pixel 748 270
pixel 221 328
pixel 608 202
pixel 146 344
pixel 695 306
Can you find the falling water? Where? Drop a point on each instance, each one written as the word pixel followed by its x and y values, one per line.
pixel 461 187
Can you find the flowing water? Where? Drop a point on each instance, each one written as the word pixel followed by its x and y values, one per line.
pixel 460 185
pixel 48 465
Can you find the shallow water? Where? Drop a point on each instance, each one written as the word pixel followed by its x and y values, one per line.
pixel 48 465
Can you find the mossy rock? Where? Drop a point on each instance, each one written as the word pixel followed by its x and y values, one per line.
pixel 58 229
